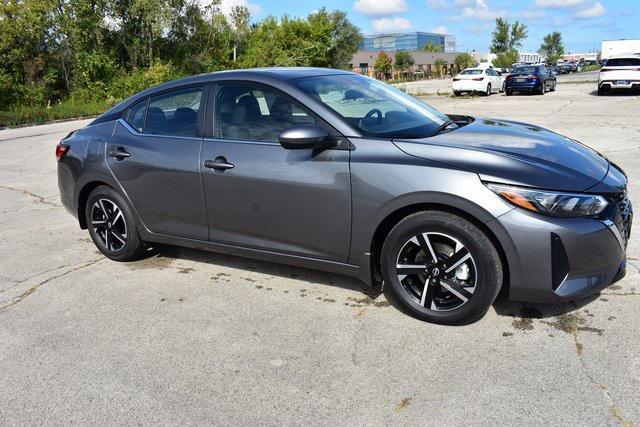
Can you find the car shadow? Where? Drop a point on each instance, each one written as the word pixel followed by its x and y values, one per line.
pixel 525 310
pixel 619 93
pixel 162 254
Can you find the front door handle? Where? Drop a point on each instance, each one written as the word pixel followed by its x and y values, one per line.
pixel 119 153
pixel 220 164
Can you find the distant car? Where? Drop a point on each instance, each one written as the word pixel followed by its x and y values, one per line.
pixel 531 78
pixel 477 80
pixel 620 72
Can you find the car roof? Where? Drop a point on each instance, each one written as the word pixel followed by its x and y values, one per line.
pixel 272 74
pixel 625 56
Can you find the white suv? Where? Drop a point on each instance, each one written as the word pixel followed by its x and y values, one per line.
pixel 620 72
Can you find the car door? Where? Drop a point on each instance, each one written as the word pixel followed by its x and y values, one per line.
pixel 495 80
pixel 260 195
pixel 154 156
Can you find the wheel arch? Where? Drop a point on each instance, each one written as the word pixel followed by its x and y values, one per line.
pixel 83 195
pixel 476 216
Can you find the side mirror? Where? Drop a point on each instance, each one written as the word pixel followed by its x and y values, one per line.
pixel 304 136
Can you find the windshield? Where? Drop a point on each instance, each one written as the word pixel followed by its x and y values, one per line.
pixel 471 72
pixel 375 109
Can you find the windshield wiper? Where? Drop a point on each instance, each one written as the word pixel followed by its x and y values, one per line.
pixel 442 127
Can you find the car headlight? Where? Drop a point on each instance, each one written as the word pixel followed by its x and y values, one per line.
pixel 552 202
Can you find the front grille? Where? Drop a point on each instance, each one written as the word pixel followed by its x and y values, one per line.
pixel 623 217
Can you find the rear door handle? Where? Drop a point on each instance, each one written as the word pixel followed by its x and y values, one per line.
pixel 119 153
pixel 219 164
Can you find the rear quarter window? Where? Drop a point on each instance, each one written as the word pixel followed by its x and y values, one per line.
pixel 136 115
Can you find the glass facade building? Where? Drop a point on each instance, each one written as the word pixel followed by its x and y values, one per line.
pixel 412 41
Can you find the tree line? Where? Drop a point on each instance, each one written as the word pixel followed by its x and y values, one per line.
pixel 84 50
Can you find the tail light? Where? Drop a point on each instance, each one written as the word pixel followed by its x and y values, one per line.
pixel 532 77
pixel 61 151
pixel 478 79
pixel 509 77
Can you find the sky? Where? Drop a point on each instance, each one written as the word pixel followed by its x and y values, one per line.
pixel 583 23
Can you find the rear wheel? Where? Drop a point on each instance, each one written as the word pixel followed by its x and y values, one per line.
pixel 601 91
pixel 112 226
pixel 457 93
pixel 543 88
pixel 441 268
pixel 508 92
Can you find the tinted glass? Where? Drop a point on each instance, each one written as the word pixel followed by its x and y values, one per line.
pixel 136 115
pixel 623 62
pixel 250 113
pixel 174 113
pixel 374 108
pixel 469 72
pixel 526 70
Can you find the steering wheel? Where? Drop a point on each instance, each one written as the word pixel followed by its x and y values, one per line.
pixel 377 112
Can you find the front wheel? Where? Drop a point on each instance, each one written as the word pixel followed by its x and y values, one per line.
pixel 112 226
pixel 488 91
pixel 441 268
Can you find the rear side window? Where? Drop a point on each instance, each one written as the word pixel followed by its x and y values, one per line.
pixel 174 113
pixel 136 115
pixel 623 62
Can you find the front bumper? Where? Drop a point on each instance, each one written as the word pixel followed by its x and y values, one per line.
pixel 558 259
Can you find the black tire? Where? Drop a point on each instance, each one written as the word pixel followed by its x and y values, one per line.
pixel 543 88
pixel 508 92
pixel 488 92
pixel 485 261
pixel 115 233
pixel 601 91
pixel 457 93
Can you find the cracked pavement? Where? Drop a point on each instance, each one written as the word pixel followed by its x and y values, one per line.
pixel 193 337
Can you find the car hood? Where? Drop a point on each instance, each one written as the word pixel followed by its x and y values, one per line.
pixel 514 153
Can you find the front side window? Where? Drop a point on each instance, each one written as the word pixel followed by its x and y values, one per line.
pixel 174 113
pixel 374 108
pixel 136 115
pixel 251 113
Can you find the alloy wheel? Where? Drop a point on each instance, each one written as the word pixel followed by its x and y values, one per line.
pixel 437 271
pixel 109 225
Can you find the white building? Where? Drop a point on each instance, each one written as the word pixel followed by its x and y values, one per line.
pixel 530 57
pixel 617 47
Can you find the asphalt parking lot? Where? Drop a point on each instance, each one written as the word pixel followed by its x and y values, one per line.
pixel 193 337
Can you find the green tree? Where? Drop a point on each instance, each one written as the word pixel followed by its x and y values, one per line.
pixel 441 66
pixel 404 60
pixel 432 47
pixel 341 38
pixel 464 60
pixel 552 47
pixel 507 38
pixel 505 60
pixel 382 66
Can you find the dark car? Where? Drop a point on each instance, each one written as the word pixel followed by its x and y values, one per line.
pixel 530 78
pixel 336 171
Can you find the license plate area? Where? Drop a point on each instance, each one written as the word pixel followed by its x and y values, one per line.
pixel 621 83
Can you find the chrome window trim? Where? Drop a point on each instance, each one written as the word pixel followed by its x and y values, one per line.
pixel 153 135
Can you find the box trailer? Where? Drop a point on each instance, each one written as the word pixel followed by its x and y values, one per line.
pixel 619 47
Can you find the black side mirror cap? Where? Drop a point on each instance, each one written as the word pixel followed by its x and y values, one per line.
pixel 306 135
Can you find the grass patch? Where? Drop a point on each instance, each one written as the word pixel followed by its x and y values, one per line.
pixel 37 114
pixel 594 67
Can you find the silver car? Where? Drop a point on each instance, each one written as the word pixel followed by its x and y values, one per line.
pixel 331 170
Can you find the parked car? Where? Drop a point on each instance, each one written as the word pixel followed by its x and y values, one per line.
pixel 477 80
pixel 332 170
pixel 620 72
pixel 530 78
